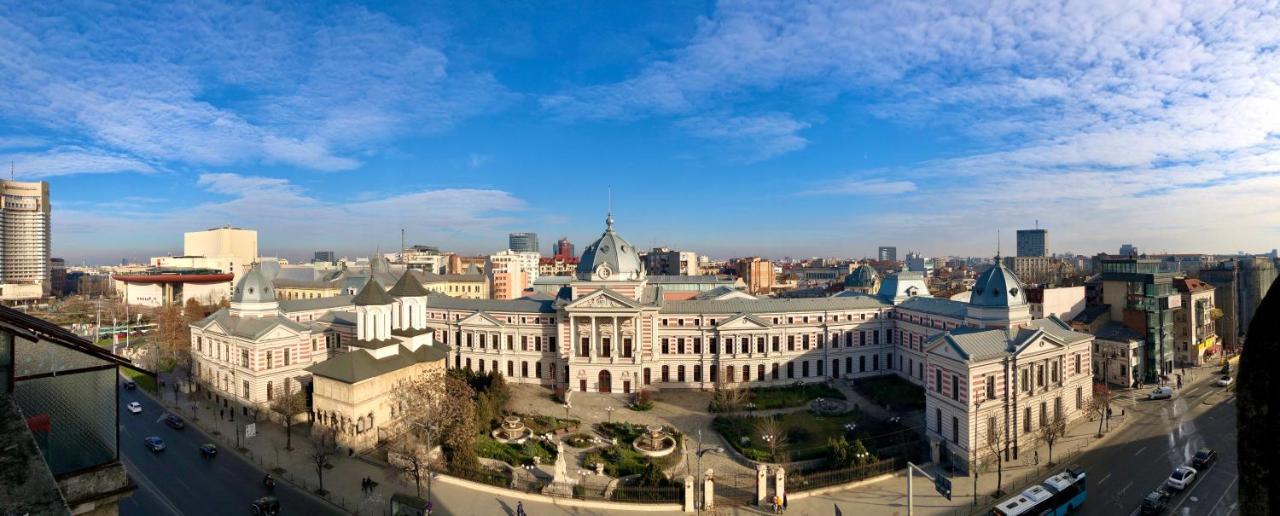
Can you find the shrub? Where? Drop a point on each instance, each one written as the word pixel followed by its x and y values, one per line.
pixel 642 400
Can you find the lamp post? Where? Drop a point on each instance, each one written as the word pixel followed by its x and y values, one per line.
pixel 703 451
pixel 609 411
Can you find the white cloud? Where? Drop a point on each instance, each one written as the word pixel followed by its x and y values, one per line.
pixel 750 138
pixel 858 186
pixel 65 160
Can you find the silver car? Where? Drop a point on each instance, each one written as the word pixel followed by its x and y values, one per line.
pixel 1161 393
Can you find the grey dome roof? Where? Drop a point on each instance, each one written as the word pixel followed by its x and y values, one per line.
pixel 254 287
pixel 863 276
pixel 998 287
pixel 621 258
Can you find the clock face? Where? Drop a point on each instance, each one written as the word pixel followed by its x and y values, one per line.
pixel 604 272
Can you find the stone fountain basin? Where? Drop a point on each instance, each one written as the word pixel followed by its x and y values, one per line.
pixel 525 434
pixel 668 441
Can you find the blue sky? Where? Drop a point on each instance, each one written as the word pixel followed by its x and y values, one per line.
pixel 793 128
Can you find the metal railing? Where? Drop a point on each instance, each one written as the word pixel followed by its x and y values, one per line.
pixel 806 481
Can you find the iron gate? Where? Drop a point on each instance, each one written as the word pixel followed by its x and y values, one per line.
pixel 735 490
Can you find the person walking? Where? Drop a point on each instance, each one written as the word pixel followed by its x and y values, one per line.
pixel 1036 458
pixel 784 502
pixel 777 504
pixel 520 509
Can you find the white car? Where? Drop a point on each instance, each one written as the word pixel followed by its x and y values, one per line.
pixel 1161 393
pixel 1181 478
pixel 134 407
pixel 1223 381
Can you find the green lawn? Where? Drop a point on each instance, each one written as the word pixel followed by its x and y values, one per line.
pixel 514 454
pixel 891 390
pixel 807 434
pixel 143 381
pixel 621 459
pixel 542 424
pixel 793 396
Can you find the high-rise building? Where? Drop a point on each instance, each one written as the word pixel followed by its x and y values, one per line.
pixel 227 249
pixel 1143 298
pixel 510 273
pixel 324 257
pixel 1257 273
pixel 1225 278
pixel 523 242
pixel 1128 249
pixel 662 261
pixel 24 239
pixel 1033 242
pixel 58 276
pixel 888 253
pixel 563 249
pixel 757 273
pixel 920 264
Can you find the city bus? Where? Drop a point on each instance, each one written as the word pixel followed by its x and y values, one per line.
pixel 1055 496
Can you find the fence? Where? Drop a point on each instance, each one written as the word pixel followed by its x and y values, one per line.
pixel 805 481
pixel 587 488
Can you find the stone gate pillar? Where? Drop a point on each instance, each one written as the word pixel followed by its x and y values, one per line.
pixel 688 493
pixel 780 482
pixel 762 485
pixel 708 489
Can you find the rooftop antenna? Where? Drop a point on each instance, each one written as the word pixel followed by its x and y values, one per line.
pixel 11 170
pixel 997 246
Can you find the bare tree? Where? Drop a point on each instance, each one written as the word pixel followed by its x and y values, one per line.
pixel 1052 432
pixel 774 436
pixel 994 448
pixel 411 459
pixel 434 405
pixel 289 404
pixel 1100 403
pixel 728 398
pixel 324 445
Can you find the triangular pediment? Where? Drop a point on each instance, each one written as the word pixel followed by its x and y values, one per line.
pixel 604 298
pixel 743 321
pixel 1037 343
pixel 279 332
pixel 945 347
pixel 480 319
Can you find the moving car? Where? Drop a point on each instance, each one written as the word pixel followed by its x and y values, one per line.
pixel 265 506
pixel 1181 478
pixel 134 407
pixel 1155 503
pixel 1223 381
pixel 1161 393
pixel 208 450
pixel 174 422
pixel 130 385
pixel 154 443
pixel 1203 458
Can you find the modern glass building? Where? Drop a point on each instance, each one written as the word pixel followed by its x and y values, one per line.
pixel 523 242
pixel 1142 297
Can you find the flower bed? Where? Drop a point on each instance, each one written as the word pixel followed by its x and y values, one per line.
pixel 809 436
pixel 621 459
pixel 514 454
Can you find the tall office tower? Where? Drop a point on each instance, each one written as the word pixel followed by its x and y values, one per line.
pixel 888 253
pixel 1033 242
pixel 1142 297
pixel 1128 249
pixel 564 249
pixel 1257 273
pixel 523 242
pixel 324 257
pixel 24 240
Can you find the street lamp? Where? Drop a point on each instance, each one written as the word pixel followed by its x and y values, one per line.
pixel 609 410
pixel 703 451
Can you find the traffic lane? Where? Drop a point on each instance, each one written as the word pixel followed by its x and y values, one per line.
pixel 195 485
pixel 1139 459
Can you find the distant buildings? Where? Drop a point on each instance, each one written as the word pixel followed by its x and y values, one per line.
pixel 210 260
pixel 757 273
pixel 523 242
pixel 888 253
pixel 511 273
pixel 227 249
pixel 1033 242
pixel 1197 337
pixel 668 262
pixel 1033 269
pixel 1257 273
pixel 1142 297
pixel 1128 250
pixel 917 263
pixel 425 258
pixel 24 240
pixel 1063 302
pixel 1225 278
pixel 563 249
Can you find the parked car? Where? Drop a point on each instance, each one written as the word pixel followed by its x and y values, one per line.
pixel 1223 381
pixel 1203 458
pixel 1161 393
pixel 208 450
pixel 174 422
pixel 265 506
pixel 154 443
pixel 130 385
pixel 1155 503
pixel 1181 477
pixel 134 407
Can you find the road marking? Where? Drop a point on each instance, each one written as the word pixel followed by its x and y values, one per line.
pixel 146 484
pixel 1104 479
pixel 1213 509
pixel 1126 488
pixel 1139 452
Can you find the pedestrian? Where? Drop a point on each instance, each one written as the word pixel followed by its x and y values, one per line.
pixel 777 504
pixel 784 502
pixel 520 509
pixel 364 486
pixel 1037 458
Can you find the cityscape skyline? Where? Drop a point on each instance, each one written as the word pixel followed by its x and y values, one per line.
pixel 463 123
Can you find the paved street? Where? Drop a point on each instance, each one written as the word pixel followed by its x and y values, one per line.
pixel 178 481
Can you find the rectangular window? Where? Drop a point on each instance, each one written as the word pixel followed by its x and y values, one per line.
pixel 937 417
pixel 862 337
pixel 286 358
pixel 991 386
pixel 697 345
pixel 666 346
pixel 245 385
pixel 1039 376
pixel 680 345
pixel 875 362
pixel 1078 363
pixel 524 343
pixel 776 341
pixel 875 337
pixel 511 342
pixel 584 346
pixel 759 344
pixel 804 342
pixel 775 371
pixel 937 379
pixel 992 432
pixel 626 347
pixel 862 364
pixel 820 365
pixel 1044 414
pixel 269 359
pixel 606 345
pixel 537 369
pixel 791 369
pixel 1055 372
pixel 804 368
pixel 955 387
pixel 955 428
pixel 1079 398
pixel 791 342
pixel 244 358
pixel 697 373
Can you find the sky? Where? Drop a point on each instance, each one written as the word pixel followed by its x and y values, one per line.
pixel 727 128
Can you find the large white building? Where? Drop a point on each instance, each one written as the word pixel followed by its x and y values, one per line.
pixel 24 240
pixel 510 273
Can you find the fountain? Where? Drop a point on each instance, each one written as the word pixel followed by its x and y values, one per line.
pixel 829 407
pixel 512 431
pixel 654 442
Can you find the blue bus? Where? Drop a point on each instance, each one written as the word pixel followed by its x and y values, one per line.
pixel 1055 496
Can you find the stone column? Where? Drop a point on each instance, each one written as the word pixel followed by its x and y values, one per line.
pixel 762 485
pixel 591 341
pixel 688 493
pixel 708 489
pixel 780 482
pixel 616 342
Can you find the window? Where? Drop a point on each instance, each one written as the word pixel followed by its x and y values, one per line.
pixel 606 346
pixel 1079 398
pixel 1044 414
pixel 955 387
pixel 245 384
pixel 776 340
pixel 269 391
pixel 848 365
pixel 626 347
pixel 1026 386
pixel 937 379
pixel 759 344
pixel 524 343
pixel 955 428
pixel 666 346
pixel 804 341
pixel 992 432
pixel 775 371
pixel 680 372
pixel 286 358
pixel 862 364
pixel 511 369
pixel 244 358
pixel 269 359
pixel 937 417
pixel 511 342
pixel 697 345
pixel 991 386
pixel 760 373
pixel 1055 372
pixel 791 342
pixel 537 369
pixel 1077 363
pixel 862 338
pixel 697 373
pixel 804 369
pixel 666 373
pixel 1057 407
pixel 875 362
pixel 875 337
pixel 714 372
pixel 646 376
pixel 1040 376
pixel 820 373
pixel 584 346
pixel 1026 421
pixel 680 345
pixel 791 369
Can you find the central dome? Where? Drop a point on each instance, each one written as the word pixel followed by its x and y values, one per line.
pixel 998 287
pixel 610 258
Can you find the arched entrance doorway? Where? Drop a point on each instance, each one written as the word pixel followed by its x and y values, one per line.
pixel 605 381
